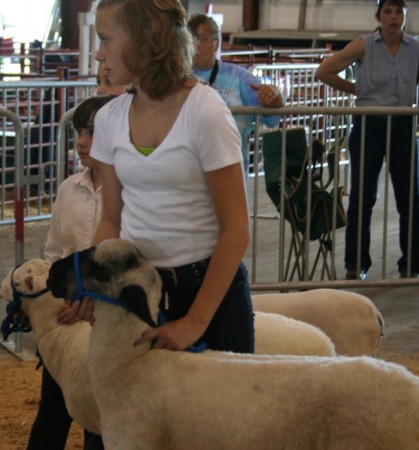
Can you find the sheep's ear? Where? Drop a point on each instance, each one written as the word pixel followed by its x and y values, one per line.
pixel 38 282
pixel 134 299
pixel 29 283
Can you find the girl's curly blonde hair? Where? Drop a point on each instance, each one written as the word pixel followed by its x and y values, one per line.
pixel 161 50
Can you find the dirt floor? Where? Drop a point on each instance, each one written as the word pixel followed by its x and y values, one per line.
pixel 19 407
pixel 22 383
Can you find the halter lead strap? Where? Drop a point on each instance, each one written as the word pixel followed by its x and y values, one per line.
pixel 18 294
pixel 81 292
pixel 10 323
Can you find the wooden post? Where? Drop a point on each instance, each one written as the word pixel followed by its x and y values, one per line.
pixel 250 19
pixel 302 15
pixel 69 29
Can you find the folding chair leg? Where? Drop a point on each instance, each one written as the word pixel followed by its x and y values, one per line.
pixel 324 252
pixel 299 263
pixel 294 251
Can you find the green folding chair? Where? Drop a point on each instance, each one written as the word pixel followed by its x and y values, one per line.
pixel 302 178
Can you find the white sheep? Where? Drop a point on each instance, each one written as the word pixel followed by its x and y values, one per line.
pixel 160 399
pixel 351 320
pixel 276 334
pixel 63 347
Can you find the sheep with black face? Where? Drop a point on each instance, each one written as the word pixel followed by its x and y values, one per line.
pixel 65 347
pixel 119 273
pixel 163 399
pixel 274 333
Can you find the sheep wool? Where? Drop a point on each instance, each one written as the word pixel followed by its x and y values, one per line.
pixel 351 320
pixel 276 334
pixel 160 399
pixel 63 347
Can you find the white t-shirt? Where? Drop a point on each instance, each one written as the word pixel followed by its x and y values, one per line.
pixel 167 210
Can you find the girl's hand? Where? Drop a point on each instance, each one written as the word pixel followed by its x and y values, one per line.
pixel 177 335
pixel 78 310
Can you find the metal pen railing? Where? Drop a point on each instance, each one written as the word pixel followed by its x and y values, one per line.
pixel 267 247
pixel 259 198
pixel 38 105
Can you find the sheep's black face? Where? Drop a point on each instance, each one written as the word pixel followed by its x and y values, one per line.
pixel 62 279
pixel 114 269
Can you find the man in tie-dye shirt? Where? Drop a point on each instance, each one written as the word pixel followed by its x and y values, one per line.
pixel 235 84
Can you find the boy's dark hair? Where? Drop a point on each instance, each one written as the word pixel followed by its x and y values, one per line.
pixel 380 4
pixel 86 110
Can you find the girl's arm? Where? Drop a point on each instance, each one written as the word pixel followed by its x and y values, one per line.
pixel 110 222
pixel 228 192
pixel 329 69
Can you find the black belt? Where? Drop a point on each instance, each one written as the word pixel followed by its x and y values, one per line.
pixel 177 276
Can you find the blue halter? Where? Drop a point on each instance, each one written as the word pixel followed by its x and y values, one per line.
pixel 18 294
pixel 10 324
pixel 81 293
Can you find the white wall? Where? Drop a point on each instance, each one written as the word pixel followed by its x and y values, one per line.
pixel 326 15
pixel 25 20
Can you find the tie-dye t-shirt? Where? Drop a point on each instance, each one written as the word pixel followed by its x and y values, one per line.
pixel 233 85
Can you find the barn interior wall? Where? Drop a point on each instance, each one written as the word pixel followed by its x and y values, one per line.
pixel 331 15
